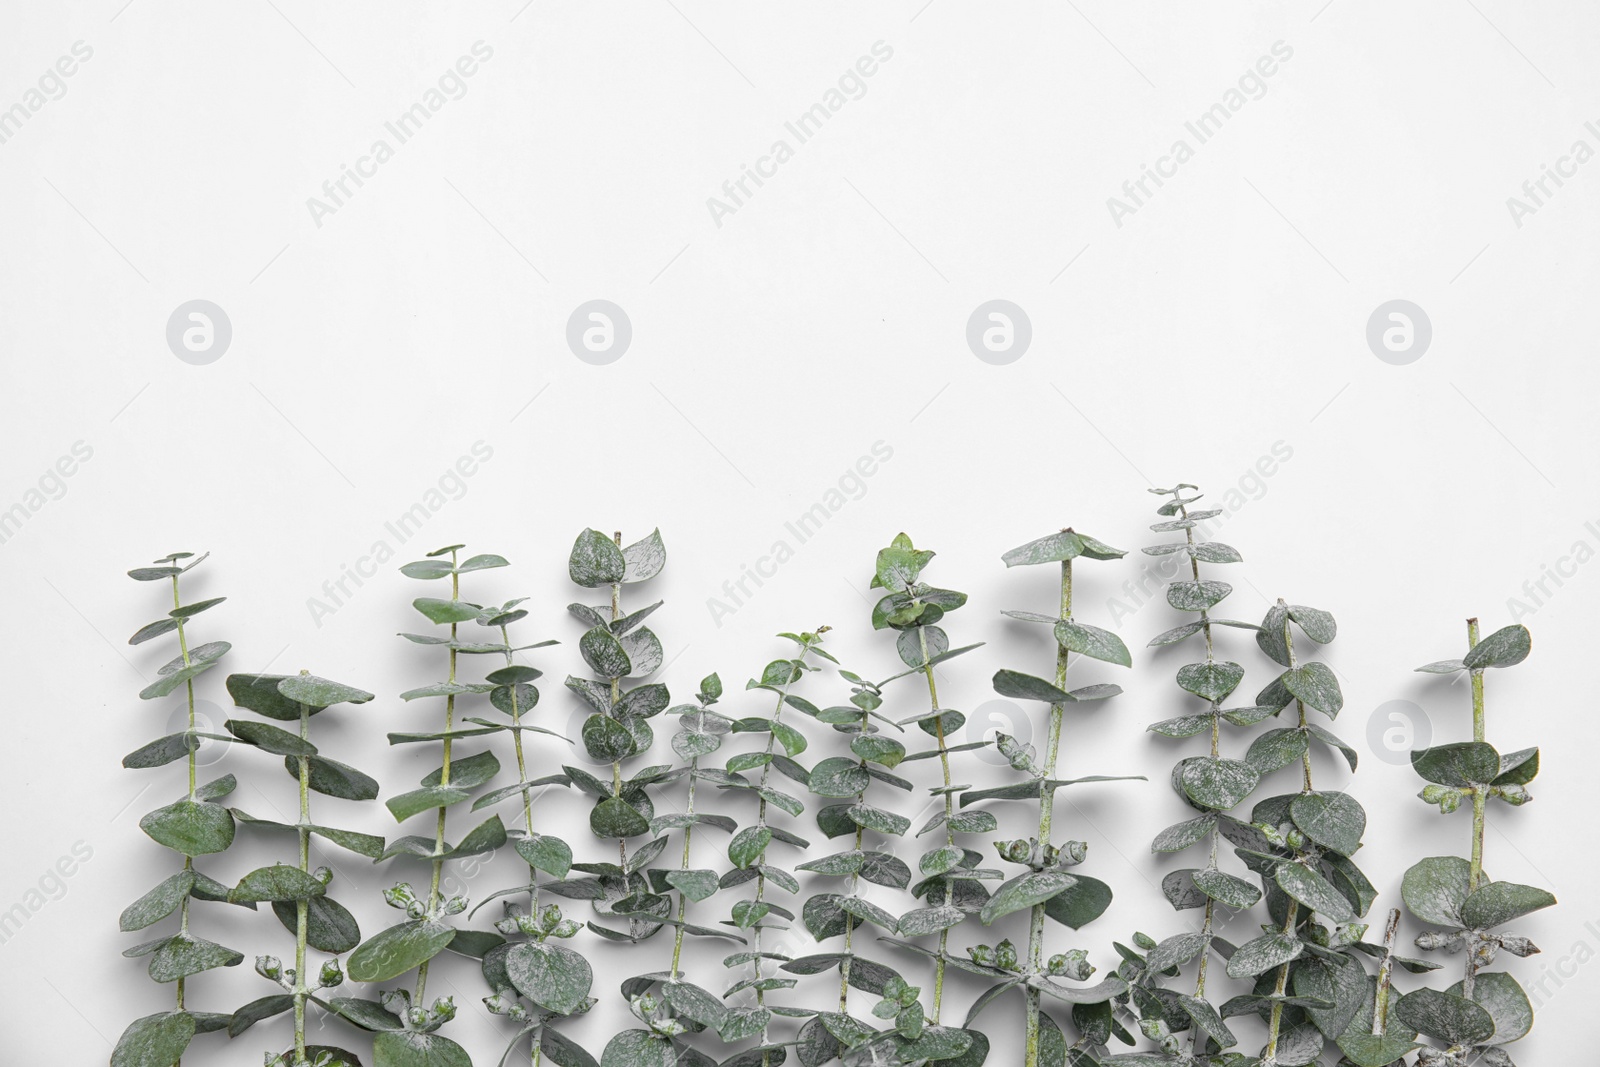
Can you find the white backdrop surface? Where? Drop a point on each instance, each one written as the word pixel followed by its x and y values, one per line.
pixel 1212 328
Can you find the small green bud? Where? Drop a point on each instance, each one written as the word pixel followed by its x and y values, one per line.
pixel 1144 941
pixel 1518 946
pixel 323 875
pixel 1005 954
pixel 399 896
pixel 269 967
pixel 331 975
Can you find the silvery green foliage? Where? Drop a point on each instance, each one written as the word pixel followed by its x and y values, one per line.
pixel 1046 889
pixel 1475 1018
pixel 1165 1014
pixel 535 980
pixel 844 784
pixel 404 1024
pixel 1310 979
pixel 196 824
pixel 759 875
pixel 615 646
pixel 670 1006
pixel 297 894
pixel 950 888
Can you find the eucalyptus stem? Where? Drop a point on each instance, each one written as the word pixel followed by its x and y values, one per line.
pixel 1475 874
pixel 188 861
pixel 1209 918
pixel 1047 807
pixel 688 837
pixel 616 691
pixel 949 809
pixel 444 780
pixel 1290 923
pixel 1380 1009
pixel 522 779
pixel 302 907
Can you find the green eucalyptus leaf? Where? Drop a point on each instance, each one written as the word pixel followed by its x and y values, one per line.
pixel 1263 954
pixel 1313 891
pixel 1315 686
pixel 398 949
pixel 839 777
pixel 1093 642
pixel 1452 1019
pixel 269 738
pixel 615 817
pixel 320 692
pixel 1216 783
pixel 604 653
pixel 190 827
pixel 160 902
pixel 606 740
pixel 1504 648
pixel 549 854
pixel 408 1048
pixel 1020 686
pixel 1024 891
pixel 1276 748
pixel 1082 902
pixel 157 1040
pixel 1459 765
pixel 595 561
pixel 1499 994
pixel 1210 681
pixel 555 978
pixel 1197 596
pixel 644 559
pixel 1333 820
pixel 329 925
pixel 1497 903
pixel 1434 889
pixel 257 1010
pixel 1226 888
pixel 278 882
pixel 183 955
pixel 440 611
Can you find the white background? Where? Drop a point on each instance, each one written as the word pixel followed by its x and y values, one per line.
pixel 769 354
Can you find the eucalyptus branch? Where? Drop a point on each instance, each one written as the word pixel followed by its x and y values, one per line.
pixel 748 849
pixel 196 824
pixel 615 647
pixel 951 886
pixel 406 1025
pixel 1476 1017
pixel 1045 889
pixel 298 895
pixel 1197 781
pixel 522 961
pixel 1300 845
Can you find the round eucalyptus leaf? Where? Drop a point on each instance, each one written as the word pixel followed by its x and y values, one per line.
pixel 1435 888
pixel 553 977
